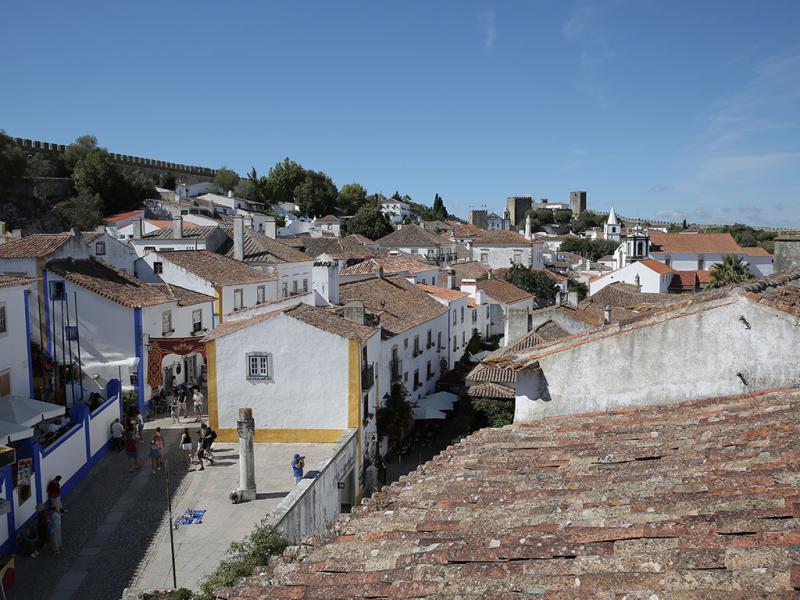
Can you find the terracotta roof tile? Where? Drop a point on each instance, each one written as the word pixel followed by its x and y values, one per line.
pixel 684 280
pixel 12 279
pixel 336 247
pixel 328 219
pixel 259 248
pixel 656 266
pixel 471 269
pixel 106 281
pixel 701 243
pixel 390 265
pixel 413 236
pixel 503 291
pixel 183 296
pixel 697 499
pixel 131 214
pixel 38 245
pixel 194 232
pixel 227 327
pixel 399 303
pixel 502 237
pixel 331 322
pixel 443 293
pixel 215 268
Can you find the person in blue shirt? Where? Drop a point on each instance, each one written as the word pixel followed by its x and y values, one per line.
pixel 298 462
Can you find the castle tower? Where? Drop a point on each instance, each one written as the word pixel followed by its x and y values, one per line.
pixel 577 202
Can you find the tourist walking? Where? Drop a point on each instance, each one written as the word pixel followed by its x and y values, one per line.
pixel 186 446
pixel 173 409
pixel 117 433
pixel 54 529
pixel 297 467
pixel 139 425
pixel 201 441
pixel 54 493
pixel 197 398
pixel 182 411
pixel 155 455
pixel 133 453
pixel 159 439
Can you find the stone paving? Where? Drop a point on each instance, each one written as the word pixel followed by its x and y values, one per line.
pixel 115 529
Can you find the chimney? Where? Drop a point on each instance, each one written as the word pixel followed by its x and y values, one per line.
pixel 269 227
pixel 238 238
pixel 469 286
pixel 354 311
pixel 230 193
pixel 516 326
pixel 607 315
pixel 325 282
pixel 380 272
pixel 528 227
pixel 3 229
pixel 572 299
pixel 451 279
pixel 137 229
pixel 177 225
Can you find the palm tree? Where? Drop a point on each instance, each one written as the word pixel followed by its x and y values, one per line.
pixel 731 270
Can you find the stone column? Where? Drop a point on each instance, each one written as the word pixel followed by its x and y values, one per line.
pixel 245 427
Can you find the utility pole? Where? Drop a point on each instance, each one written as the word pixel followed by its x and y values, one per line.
pixel 169 511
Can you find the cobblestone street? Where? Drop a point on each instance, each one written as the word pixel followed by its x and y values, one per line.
pixel 111 518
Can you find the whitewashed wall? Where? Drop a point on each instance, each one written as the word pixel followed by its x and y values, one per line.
pixel 66 458
pixel 695 355
pixel 100 426
pixel 13 343
pixel 310 376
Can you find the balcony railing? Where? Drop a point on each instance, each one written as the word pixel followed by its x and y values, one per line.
pixel 367 377
pixel 397 370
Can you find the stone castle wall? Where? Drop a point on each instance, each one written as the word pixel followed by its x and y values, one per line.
pixel 188 174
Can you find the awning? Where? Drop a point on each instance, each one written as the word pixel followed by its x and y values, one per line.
pixel 27 411
pixel 439 400
pixel 478 356
pixel 11 432
pixel 422 413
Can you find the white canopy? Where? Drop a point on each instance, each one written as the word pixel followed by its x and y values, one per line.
pixel 422 413
pixel 11 432
pixel 439 400
pixel 27 411
pixel 479 356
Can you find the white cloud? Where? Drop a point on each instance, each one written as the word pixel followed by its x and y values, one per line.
pixel 489 25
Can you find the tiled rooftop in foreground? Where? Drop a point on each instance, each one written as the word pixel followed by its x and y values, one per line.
pixel 694 500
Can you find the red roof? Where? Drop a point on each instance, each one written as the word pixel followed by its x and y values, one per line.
pixel 442 292
pixel 683 280
pixel 701 243
pixel 656 266
pixel 131 214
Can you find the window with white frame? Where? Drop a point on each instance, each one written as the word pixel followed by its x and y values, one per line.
pixel 100 248
pixel 197 321
pixel 284 289
pixel 166 322
pixel 3 321
pixel 259 365
pixel 260 294
pixel 238 299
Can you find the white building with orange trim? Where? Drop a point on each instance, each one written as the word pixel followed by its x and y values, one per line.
pixel 308 373
pixel 651 276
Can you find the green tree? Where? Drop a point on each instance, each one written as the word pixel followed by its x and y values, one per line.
pixel 562 216
pixel 394 416
pixel 439 208
pixel 281 181
pixel 77 150
pixel 573 285
pixel 537 283
pixel 167 181
pixel 84 211
pixel 591 249
pixel 316 194
pixel 730 271
pixel 226 179
pixel 491 412
pixel 370 222
pixel 13 163
pixel 246 189
pixel 352 197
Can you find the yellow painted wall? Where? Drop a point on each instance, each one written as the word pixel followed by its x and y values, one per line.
pixel 211 371
pixel 284 436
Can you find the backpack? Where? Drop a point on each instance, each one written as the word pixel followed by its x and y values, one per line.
pixel 213 435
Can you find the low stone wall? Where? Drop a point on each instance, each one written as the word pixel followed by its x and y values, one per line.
pixel 315 502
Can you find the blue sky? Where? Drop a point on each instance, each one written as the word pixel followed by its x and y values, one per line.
pixel 672 108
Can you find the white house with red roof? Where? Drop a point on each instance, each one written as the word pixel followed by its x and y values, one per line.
pixel 691 251
pixel 651 276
